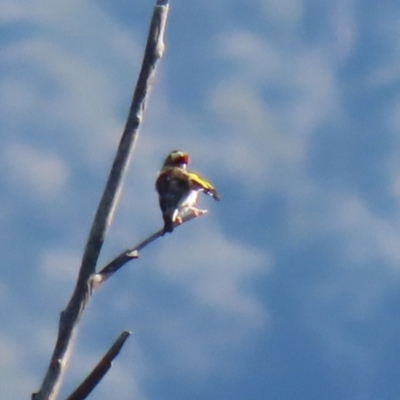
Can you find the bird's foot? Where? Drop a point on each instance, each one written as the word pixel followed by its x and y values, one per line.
pixel 197 212
pixel 178 220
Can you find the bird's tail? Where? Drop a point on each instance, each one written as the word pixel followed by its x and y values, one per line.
pixel 168 223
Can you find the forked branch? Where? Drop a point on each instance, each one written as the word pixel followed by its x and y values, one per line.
pixel 104 365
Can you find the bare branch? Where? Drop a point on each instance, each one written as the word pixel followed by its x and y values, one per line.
pixel 70 316
pixel 128 255
pixel 93 379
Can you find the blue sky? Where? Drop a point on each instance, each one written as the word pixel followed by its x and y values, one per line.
pixel 289 287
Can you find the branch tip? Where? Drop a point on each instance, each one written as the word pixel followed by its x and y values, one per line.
pixel 98 373
pixel 162 3
pixel 132 253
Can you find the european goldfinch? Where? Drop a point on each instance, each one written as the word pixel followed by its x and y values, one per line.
pixel 178 189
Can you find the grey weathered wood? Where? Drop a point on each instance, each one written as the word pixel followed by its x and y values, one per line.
pixel 98 373
pixel 112 267
pixel 70 316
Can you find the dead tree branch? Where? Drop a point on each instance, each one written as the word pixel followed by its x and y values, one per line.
pixel 130 254
pixel 94 378
pixel 70 316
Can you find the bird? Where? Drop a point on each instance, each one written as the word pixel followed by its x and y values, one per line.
pixel 178 189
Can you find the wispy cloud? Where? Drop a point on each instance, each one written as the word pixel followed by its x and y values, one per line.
pixel 34 171
pixel 214 268
pixel 282 79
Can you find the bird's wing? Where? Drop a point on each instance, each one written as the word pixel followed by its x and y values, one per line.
pixel 198 183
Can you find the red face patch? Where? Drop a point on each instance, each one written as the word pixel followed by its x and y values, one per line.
pixel 184 159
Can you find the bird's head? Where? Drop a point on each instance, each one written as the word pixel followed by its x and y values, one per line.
pixel 177 159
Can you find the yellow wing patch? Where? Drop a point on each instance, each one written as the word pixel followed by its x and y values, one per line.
pixel 197 182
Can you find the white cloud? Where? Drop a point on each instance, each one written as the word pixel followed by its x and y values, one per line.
pixel 286 11
pixel 220 315
pixel 254 152
pixel 257 144
pixel 262 142
pixel 367 236
pixel 363 235
pixel 59 265
pixel 38 172
pixel 72 79
pixel 214 268
pixel 121 381
pixel 61 86
pixel 15 379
